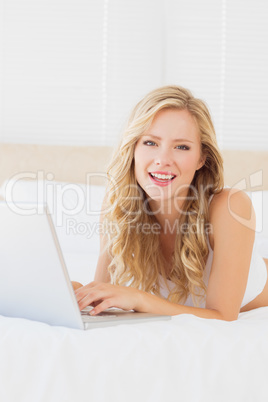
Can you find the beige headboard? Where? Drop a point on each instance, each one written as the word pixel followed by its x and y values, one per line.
pixel 71 164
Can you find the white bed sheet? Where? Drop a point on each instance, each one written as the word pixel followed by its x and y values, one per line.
pixel 185 359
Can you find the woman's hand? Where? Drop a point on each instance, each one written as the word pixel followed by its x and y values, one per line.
pixel 76 285
pixel 104 295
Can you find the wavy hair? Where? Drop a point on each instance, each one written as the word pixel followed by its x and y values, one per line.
pixel 137 259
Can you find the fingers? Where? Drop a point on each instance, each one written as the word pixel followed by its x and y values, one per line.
pixel 91 295
pixel 102 296
pixel 107 303
pixel 81 289
pixel 76 285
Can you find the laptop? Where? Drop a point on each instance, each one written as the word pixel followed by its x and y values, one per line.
pixel 34 280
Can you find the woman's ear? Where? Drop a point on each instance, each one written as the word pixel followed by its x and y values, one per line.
pixel 202 161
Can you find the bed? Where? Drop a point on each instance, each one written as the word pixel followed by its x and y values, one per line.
pixel 187 358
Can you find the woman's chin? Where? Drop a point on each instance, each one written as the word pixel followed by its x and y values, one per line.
pixel 160 204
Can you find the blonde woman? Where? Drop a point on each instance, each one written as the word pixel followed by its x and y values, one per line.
pixel 175 241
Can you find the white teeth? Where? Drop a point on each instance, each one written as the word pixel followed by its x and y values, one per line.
pixel 163 176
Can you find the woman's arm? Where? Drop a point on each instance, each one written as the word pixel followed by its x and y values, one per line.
pixel 104 295
pixel 233 220
pixel 101 273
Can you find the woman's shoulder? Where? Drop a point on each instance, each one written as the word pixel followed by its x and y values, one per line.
pixel 230 200
pixel 229 207
pixel 230 197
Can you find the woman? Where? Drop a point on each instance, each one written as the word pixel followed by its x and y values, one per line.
pixel 175 241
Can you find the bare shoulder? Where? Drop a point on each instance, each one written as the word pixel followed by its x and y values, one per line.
pixel 229 208
pixel 233 202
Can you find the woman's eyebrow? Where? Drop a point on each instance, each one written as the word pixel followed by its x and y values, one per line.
pixel 176 140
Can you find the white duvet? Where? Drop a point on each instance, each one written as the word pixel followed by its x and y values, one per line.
pixel 185 359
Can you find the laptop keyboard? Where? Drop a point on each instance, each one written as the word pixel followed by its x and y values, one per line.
pixel 86 317
pixel 90 318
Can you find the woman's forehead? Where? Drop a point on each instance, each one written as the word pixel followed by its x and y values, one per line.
pixel 176 124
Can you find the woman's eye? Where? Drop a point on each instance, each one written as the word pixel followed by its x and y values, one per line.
pixel 183 147
pixel 150 143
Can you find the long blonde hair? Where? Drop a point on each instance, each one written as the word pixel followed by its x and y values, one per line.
pixel 137 259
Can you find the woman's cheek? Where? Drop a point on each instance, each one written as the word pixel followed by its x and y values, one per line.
pixel 189 162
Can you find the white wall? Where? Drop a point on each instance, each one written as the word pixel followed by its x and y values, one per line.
pixel 70 71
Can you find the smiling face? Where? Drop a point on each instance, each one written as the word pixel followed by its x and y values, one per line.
pixel 168 155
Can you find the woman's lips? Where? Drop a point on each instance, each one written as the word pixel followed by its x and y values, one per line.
pixel 161 182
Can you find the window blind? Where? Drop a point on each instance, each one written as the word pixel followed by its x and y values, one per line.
pixel 71 71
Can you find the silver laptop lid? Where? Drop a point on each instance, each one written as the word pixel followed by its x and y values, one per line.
pixel 34 280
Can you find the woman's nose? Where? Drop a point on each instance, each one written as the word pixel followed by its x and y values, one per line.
pixel 163 158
